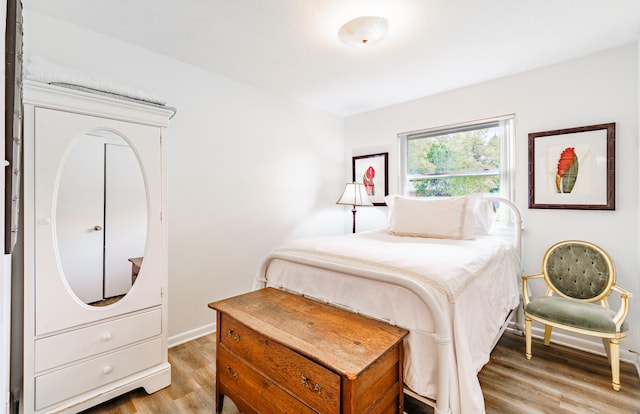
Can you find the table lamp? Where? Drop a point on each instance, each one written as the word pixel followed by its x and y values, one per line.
pixel 354 194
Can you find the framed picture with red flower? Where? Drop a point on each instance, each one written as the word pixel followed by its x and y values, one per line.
pixel 573 168
pixel 373 171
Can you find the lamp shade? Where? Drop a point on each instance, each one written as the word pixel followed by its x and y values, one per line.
pixel 355 194
pixel 363 31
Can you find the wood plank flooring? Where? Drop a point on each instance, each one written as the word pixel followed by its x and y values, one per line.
pixel 557 380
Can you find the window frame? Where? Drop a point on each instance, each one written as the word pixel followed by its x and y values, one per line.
pixel 507 150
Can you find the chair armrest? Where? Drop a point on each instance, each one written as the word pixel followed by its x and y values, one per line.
pixel 525 286
pixel 624 306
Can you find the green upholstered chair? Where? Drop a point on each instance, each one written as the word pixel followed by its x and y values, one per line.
pixel 579 277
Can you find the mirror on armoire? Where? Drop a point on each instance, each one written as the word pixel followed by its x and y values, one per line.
pixel 101 217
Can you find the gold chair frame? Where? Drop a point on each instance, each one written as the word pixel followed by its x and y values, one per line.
pixel 610 340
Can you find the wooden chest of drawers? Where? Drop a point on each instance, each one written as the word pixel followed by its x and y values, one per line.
pixel 282 353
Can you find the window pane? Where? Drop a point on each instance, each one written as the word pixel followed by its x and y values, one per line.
pixel 456 186
pixel 458 160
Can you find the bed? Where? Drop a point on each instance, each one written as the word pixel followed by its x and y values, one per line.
pixel 442 269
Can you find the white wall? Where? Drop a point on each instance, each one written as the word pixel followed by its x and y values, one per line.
pixel 246 170
pixel 597 89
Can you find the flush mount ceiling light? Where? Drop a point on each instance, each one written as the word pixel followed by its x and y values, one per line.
pixel 363 31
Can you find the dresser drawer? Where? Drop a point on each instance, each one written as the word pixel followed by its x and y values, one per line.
pixel 71 346
pixel 312 383
pixel 77 379
pixel 236 378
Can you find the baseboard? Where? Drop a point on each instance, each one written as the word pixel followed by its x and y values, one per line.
pixel 515 327
pixel 187 336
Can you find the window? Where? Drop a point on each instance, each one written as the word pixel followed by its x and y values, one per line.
pixel 468 158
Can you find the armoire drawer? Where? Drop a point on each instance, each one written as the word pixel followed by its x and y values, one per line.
pixel 80 378
pixel 75 345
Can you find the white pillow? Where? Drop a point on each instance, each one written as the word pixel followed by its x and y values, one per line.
pixel 443 218
pixel 483 214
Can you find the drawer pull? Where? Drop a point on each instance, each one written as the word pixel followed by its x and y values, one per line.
pixel 315 388
pixel 106 336
pixel 232 373
pixel 107 369
pixel 235 336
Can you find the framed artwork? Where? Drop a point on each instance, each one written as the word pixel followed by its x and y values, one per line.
pixel 573 168
pixel 373 171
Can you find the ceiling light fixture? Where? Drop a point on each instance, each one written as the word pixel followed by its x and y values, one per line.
pixel 363 31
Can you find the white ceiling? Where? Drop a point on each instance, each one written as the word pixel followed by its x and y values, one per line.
pixel 290 47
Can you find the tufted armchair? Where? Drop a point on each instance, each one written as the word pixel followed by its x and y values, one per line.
pixel 579 277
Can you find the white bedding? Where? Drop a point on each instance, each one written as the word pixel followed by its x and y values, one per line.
pixel 41 70
pixel 474 281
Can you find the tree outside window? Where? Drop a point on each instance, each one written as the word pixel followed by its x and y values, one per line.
pixel 458 160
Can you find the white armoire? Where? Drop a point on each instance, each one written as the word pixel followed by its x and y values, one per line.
pixel 93 206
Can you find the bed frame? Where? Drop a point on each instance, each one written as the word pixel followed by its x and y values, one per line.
pixel 442 333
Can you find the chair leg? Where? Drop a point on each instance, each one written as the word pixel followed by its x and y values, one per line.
pixel 614 352
pixel 547 335
pixel 527 333
pixel 607 350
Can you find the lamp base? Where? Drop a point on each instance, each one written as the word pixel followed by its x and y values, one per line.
pixel 353 210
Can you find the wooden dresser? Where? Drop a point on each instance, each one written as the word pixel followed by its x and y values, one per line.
pixel 282 353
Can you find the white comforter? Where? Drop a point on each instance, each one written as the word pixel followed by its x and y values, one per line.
pixel 474 281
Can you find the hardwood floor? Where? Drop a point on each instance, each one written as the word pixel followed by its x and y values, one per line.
pixel 557 380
